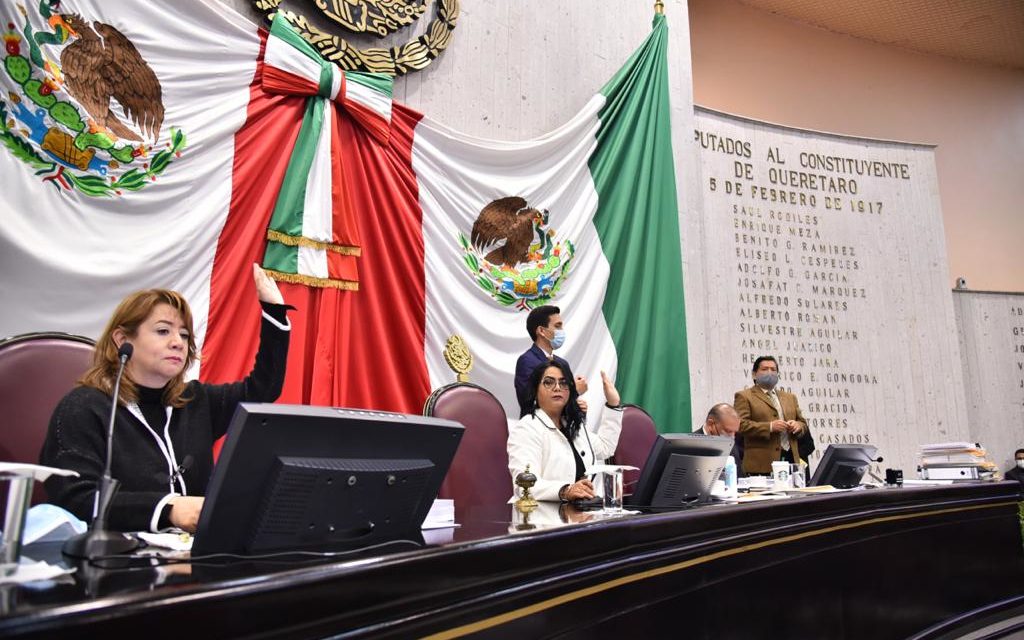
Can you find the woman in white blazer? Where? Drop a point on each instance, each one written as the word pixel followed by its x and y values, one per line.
pixel 554 440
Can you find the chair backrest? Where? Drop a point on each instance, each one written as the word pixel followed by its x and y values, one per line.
pixel 479 472
pixel 36 371
pixel 635 442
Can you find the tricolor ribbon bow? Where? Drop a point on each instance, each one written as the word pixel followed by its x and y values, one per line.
pixel 313 236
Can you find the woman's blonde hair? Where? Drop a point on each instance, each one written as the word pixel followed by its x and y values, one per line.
pixel 131 313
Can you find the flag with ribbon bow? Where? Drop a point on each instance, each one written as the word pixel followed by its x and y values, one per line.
pixel 313 237
pixel 266 151
pixel 461 235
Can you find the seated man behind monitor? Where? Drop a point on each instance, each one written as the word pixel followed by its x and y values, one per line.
pixel 722 420
pixel 1017 472
pixel 770 421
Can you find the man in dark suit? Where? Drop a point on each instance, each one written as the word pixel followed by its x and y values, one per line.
pixel 722 420
pixel 771 424
pixel 544 324
pixel 1017 472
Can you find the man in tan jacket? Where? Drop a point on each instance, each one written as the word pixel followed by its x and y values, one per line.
pixel 771 425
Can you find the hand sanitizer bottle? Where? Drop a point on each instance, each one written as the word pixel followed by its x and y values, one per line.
pixel 730 477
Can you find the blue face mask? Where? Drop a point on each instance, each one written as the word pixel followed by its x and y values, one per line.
pixel 767 380
pixel 559 338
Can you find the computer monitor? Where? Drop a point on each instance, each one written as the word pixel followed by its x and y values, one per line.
pixel 680 470
pixel 295 477
pixel 843 465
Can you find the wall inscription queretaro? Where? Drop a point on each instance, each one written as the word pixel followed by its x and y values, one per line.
pixel 828 252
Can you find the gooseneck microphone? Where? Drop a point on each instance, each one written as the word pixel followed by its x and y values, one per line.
pixel 97 541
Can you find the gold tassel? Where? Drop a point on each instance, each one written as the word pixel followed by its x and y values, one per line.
pixel 312 281
pixel 299 241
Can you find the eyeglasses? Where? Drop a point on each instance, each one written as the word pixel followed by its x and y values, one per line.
pixel 551 383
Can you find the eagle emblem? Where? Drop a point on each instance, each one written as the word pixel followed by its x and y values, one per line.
pixel 376 17
pixel 101 64
pixel 75 91
pixel 512 254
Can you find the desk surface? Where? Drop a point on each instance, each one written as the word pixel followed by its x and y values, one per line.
pixel 837 565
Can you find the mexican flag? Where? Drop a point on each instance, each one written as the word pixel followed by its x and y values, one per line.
pixel 463 236
pixel 102 201
pixel 389 232
pixel 604 249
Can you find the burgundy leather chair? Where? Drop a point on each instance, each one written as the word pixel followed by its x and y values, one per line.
pixel 479 472
pixel 635 442
pixel 36 371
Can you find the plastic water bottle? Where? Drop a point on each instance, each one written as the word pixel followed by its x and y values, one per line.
pixel 730 477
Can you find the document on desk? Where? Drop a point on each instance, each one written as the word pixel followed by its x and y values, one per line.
pixel 910 482
pixel 173 541
pixel 744 498
pixel 30 570
pixel 441 515
pixel 825 488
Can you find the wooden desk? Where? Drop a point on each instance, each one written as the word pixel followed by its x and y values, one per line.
pixel 883 563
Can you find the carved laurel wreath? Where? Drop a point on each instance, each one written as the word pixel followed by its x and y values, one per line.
pixel 458 357
pixel 379 17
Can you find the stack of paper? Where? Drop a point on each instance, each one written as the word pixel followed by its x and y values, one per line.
pixel 441 514
pixel 956 461
pixel 439 525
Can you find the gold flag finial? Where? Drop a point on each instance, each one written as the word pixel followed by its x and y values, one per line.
pixel 458 357
pixel 659 7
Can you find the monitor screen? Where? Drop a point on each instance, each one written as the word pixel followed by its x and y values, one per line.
pixel 301 477
pixel 843 465
pixel 680 470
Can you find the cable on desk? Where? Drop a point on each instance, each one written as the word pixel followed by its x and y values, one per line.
pixel 280 556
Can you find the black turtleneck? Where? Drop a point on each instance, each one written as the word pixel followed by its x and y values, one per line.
pixel 152 406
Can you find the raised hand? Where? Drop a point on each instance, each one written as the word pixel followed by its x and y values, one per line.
pixel 266 288
pixel 581 385
pixel 611 394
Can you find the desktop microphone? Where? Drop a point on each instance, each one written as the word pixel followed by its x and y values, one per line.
pixel 97 541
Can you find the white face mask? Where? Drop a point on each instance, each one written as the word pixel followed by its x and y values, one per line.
pixel 1020 463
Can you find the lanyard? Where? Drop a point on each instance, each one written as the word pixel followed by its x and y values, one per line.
pixel 165 445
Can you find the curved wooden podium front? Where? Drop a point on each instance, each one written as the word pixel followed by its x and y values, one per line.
pixel 882 563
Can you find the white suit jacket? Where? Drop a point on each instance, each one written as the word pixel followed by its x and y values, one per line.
pixel 535 440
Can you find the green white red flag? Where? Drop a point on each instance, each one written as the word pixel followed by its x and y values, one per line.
pixel 388 231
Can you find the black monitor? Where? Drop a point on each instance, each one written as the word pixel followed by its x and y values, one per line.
pixel 296 477
pixel 843 465
pixel 680 470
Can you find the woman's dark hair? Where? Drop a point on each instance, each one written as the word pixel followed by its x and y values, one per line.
pixel 573 417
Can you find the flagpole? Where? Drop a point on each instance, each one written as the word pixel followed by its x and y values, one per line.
pixel 659 7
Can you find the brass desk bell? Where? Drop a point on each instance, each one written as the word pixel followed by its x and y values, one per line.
pixel 525 481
